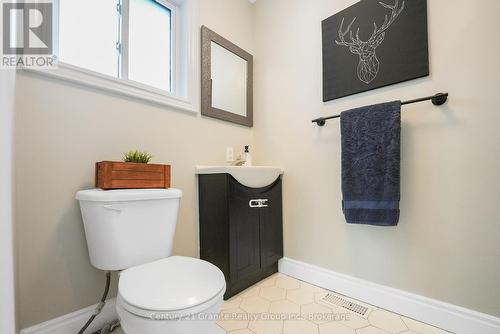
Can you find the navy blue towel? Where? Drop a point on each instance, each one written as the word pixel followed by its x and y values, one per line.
pixel 371 164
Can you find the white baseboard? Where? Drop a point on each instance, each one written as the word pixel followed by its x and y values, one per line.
pixel 443 315
pixel 73 322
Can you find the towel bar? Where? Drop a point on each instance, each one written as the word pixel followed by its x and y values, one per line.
pixel 437 100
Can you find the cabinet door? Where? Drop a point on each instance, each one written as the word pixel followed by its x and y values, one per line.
pixel 243 233
pixel 214 221
pixel 271 225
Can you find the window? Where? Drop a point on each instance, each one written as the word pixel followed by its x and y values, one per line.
pixel 144 49
pixel 91 46
pixel 150 44
pixel 130 40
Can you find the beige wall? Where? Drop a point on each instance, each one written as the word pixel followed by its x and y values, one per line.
pixel 62 129
pixel 447 244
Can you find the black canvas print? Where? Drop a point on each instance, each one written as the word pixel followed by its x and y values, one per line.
pixel 374 44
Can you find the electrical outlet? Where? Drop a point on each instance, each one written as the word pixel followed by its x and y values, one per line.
pixel 229 154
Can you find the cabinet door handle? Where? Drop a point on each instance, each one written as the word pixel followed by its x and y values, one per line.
pixel 258 203
pixel 254 203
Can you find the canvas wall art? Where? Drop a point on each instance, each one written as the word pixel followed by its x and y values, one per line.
pixel 374 44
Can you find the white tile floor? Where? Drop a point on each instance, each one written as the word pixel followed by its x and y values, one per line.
pixel 295 308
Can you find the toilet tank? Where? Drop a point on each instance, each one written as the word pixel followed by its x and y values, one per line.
pixel 126 228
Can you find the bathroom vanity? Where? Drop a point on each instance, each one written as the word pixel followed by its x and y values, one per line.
pixel 241 229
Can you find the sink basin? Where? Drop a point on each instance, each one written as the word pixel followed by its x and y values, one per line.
pixel 253 177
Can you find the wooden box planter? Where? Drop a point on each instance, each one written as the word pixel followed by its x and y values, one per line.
pixel 128 175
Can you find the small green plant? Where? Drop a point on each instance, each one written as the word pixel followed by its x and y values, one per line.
pixel 137 157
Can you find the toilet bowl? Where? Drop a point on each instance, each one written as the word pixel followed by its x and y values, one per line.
pixel 173 295
pixel 132 231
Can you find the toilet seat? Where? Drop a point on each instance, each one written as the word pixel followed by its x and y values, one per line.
pixel 172 287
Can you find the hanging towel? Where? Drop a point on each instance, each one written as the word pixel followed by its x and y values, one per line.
pixel 371 164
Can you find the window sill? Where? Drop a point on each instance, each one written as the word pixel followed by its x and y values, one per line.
pixel 92 79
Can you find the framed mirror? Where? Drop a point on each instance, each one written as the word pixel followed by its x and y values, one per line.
pixel 226 80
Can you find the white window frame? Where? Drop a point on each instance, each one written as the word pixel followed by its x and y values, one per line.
pixel 185 64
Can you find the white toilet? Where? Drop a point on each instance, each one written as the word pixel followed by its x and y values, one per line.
pixel 133 231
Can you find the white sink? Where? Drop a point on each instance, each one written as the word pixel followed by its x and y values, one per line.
pixel 253 177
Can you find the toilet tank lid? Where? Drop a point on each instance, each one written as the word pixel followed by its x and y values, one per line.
pixel 123 195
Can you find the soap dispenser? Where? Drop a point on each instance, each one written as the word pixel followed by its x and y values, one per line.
pixel 247 157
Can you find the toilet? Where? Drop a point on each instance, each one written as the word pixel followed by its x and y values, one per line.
pixel 132 231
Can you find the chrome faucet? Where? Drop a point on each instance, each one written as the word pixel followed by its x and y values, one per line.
pixel 242 158
pixel 238 162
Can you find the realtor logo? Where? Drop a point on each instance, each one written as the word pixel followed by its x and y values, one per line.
pixel 28 38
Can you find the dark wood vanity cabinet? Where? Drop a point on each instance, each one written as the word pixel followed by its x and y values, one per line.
pixel 241 229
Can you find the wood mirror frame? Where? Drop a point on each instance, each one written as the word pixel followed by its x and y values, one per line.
pixel 207 37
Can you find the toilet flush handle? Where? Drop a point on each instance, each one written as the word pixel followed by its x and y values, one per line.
pixel 114 207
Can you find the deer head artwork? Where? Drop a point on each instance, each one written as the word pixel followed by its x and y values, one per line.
pixel 369 64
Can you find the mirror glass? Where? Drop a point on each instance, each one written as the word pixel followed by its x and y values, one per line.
pixel 229 80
